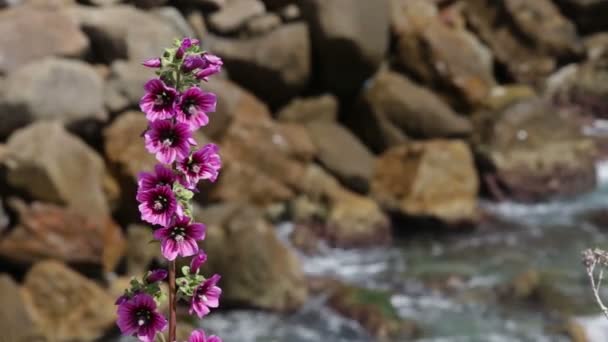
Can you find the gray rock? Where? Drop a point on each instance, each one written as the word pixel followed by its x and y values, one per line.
pixel 234 15
pixel 175 18
pixel 275 66
pixel 291 13
pixel 55 166
pixel 124 87
pixel 28 33
pixel 347 51
pixel 51 89
pixel 262 24
pixel 303 110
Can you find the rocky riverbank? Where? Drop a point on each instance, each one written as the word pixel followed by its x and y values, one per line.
pixel 342 116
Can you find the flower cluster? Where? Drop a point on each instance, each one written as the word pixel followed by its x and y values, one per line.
pixel 175 107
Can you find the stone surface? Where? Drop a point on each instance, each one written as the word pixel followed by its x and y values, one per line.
pixel 59 168
pixel 28 33
pixel 262 24
pixel 47 231
pixel 257 269
pixel 434 179
pixel 393 108
pixel 442 54
pixel 141 253
pixel 65 305
pixel 533 151
pixel 275 66
pixel 173 16
pixel 234 15
pixel 15 321
pixel 309 109
pixel 51 89
pixel 125 85
pixel 343 154
pixel 347 53
pixel 124 32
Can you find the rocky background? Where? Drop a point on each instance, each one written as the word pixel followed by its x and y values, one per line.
pixel 360 121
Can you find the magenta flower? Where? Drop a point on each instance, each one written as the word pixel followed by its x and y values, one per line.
pixel 206 296
pixel 193 106
pixel 156 276
pixel 138 317
pixel 180 238
pixel 152 63
pixel 202 164
pixel 193 62
pixel 161 176
pixel 122 299
pixel 187 43
pixel 212 66
pixel 169 141
pixel 158 205
pixel 199 336
pixel 159 101
pixel 197 261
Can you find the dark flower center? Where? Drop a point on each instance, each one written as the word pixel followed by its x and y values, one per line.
pixel 163 99
pixel 189 107
pixel 178 233
pixel 160 203
pixel 168 138
pixel 143 317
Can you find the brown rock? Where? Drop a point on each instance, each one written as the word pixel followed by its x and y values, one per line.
pixel 392 108
pixel 304 110
pixel 142 252
pixel 262 24
pixel 59 168
pixel 275 66
pixel 66 305
pixel 257 269
pixel 125 85
pixel 234 15
pixel 47 231
pixel 15 321
pixel 429 179
pixel 28 33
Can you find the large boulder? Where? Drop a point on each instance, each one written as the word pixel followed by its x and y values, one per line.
pixel 393 108
pixel 309 109
pixel 435 179
pixel 15 321
pixel 66 305
pixel 342 153
pixel 531 151
pixel 124 32
pixel 234 15
pixel 47 231
pixel 350 39
pixel 51 89
pixel 28 33
pixel 258 270
pixel 57 168
pixel 275 66
pixel 439 53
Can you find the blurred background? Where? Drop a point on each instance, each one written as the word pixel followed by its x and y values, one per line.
pixel 403 170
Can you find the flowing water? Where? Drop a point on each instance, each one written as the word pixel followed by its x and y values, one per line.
pixel 448 285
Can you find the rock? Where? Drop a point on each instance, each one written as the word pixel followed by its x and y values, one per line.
pixel 304 110
pixel 588 14
pixel 66 305
pixel 532 151
pixel 141 253
pixel 262 24
pixel 173 16
pixel 47 33
pixel 542 23
pixel 59 168
pixel 276 4
pixel 504 95
pixel 373 310
pixel 148 3
pixel 392 107
pixel 524 62
pixel 5 220
pixel 15 321
pixel 257 269
pixel 343 154
pixel 434 179
pixel 442 54
pixel 124 32
pixel 51 89
pixel 234 15
pixel 125 85
pixel 275 66
pixel 47 231
pixel 102 2
pixel 290 13
pixel 347 52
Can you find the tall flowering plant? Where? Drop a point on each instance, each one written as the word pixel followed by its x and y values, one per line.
pixel 175 107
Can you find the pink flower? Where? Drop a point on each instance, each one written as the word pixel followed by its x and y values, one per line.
pixel 199 336
pixel 156 276
pixel 186 44
pixel 212 66
pixel 159 101
pixel 202 164
pixel 161 176
pixel 197 261
pixel 169 141
pixel 193 106
pixel 180 238
pixel 206 296
pixel 152 63
pixel 138 317
pixel 158 205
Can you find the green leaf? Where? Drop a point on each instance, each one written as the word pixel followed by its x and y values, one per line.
pixel 186 270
